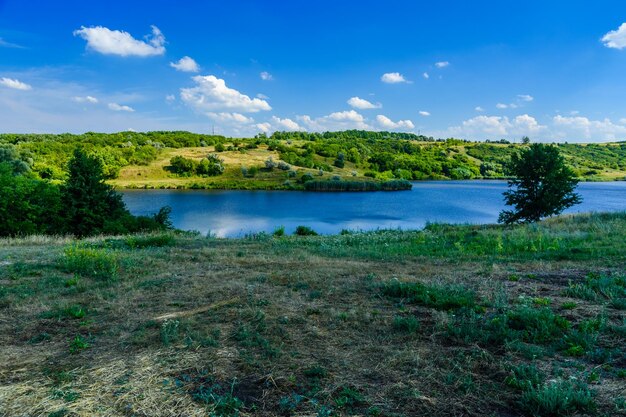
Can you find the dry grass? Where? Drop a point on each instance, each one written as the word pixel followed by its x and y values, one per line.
pixel 289 326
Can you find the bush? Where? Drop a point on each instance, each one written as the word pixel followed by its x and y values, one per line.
pixel 305 231
pixel 283 166
pixel 270 164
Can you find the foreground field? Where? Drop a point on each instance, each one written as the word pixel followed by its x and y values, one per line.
pixel 449 321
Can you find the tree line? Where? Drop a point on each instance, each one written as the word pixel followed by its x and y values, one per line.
pixel 83 205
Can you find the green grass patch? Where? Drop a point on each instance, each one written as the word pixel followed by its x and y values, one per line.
pixel 98 263
pixel 440 297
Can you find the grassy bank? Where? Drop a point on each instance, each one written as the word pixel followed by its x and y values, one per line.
pixel 452 320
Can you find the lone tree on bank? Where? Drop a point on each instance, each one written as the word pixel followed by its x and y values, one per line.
pixel 544 185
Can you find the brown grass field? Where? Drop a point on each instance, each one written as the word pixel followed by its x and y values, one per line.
pixel 449 321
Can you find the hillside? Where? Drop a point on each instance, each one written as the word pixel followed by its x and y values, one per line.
pixel 451 320
pixel 143 160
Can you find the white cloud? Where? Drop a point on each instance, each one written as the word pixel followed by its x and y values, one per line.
pixel 15 84
pixel 496 127
pixel 286 124
pixel 424 113
pixel 502 106
pixel 425 75
pixel 116 42
pixel 211 94
pixel 170 98
pixel 616 38
pixel 119 107
pixel 362 104
pixel 266 76
pixel 262 96
pixel 230 118
pixel 264 127
pixel 86 99
pixel 185 64
pixel 479 109
pixel 393 78
pixel 387 123
pixel 525 97
pixel 579 127
pixel 442 64
pixel 344 120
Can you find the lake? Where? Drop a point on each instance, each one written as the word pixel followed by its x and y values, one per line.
pixel 235 213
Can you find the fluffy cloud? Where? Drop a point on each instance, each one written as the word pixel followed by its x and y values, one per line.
pixel 525 97
pixel 116 42
pixel 264 127
pixel 14 84
pixel 387 123
pixel 424 113
pixel 119 107
pixel 479 109
pixel 170 98
pixel 425 75
pixel 496 127
pixel 502 106
pixel 616 38
pixel 211 94
pixel 362 104
pixel 86 99
pixel 262 96
pixel 393 78
pixel 185 64
pixel 286 124
pixel 266 76
pixel 442 64
pixel 579 127
pixel 230 118
pixel 344 120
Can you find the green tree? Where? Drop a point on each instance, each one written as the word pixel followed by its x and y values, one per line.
pixel 543 185
pixel 27 205
pixel 91 206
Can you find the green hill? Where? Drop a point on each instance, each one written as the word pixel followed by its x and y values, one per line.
pixel 141 160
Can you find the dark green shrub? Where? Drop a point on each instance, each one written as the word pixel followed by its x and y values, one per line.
pixel 305 231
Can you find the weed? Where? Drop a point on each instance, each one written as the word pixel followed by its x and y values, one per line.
pixel 288 404
pixel 169 332
pixel 221 401
pixel 101 264
pixel 406 324
pixel 78 344
pixel 568 305
pixel 446 297
pixel 348 397
pixel 157 241
pixel 524 377
pixel 72 282
pixel 558 399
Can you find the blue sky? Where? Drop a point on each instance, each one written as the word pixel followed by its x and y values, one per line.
pixel 554 71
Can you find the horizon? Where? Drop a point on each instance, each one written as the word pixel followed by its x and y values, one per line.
pixel 472 72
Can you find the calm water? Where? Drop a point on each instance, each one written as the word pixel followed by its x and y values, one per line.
pixel 234 213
